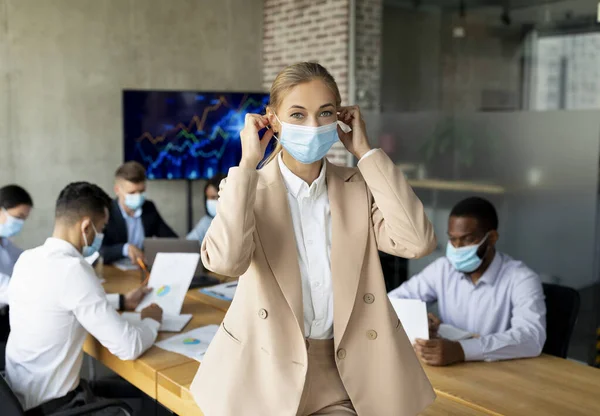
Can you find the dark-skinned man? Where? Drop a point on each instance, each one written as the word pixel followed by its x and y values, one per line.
pixel 481 291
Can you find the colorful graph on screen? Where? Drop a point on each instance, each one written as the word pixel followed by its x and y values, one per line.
pixel 186 135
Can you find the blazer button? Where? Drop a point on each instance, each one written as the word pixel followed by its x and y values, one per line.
pixel 371 334
pixel 369 298
pixel 341 354
pixel 262 314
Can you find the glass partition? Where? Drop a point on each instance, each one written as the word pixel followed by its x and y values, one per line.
pixel 501 100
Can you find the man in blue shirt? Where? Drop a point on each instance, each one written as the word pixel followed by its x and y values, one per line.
pixel 484 292
pixel 132 217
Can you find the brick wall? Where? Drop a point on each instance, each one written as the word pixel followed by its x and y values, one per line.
pixel 308 30
pixel 369 22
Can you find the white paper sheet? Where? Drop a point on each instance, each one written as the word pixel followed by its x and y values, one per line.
pixel 170 280
pixel 169 323
pixel 453 333
pixel 192 344
pixel 125 265
pixel 413 316
pixel 225 291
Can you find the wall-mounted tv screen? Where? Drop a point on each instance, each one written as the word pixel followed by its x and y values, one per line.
pixel 186 135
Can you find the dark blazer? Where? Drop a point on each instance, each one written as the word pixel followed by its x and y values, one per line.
pixel 115 232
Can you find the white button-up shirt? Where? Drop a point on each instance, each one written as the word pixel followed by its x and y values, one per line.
pixel 311 218
pixel 55 300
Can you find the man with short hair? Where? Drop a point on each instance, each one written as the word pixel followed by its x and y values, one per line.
pixel 480 290
pixel 56 299
pixel 132 217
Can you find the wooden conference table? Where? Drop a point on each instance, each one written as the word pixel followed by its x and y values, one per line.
pixel 544 385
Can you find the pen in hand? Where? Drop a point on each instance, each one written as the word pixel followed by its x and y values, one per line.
pixel 145 269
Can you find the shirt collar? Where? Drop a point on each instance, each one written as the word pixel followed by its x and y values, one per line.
pixel 491 273
pixel 297 187
pixel 60 245
pixel 136 214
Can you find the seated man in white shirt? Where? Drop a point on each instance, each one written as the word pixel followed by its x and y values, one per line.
pixel 55 299
pixel 484 292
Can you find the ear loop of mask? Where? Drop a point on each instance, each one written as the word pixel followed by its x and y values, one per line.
pixel 269 127
pixel 84 237
pixel 85 240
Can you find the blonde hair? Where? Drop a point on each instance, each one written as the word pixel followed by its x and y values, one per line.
pixel 293 76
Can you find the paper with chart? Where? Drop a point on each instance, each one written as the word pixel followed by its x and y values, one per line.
pixel 170 323
pixel 453 333
pixel 225 291
pixel 192 344
pixel 170 279
pixel 413 316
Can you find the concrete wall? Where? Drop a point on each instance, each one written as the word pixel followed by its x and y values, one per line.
pixel 64 63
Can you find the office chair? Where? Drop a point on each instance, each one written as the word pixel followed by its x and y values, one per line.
pixel 12 407
pixel 562 306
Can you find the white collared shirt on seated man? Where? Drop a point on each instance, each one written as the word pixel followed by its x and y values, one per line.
pixel 55 300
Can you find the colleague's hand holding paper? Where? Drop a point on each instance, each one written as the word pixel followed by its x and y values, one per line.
pixel 153 312
pixel 133 298
pixel 439 351
pixel 434 325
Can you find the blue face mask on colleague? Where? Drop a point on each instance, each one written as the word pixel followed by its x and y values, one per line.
pixel 307 144
pixel 135 201
pixel 12 226
pixel 96 244
pixel 211 207
pixel 465 259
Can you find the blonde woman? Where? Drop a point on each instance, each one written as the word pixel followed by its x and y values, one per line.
pixel 311 330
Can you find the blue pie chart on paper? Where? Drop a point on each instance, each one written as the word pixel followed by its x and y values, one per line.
pixel 163 290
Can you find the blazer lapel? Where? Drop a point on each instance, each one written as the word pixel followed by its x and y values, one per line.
pixel 121 225
pixel 274 227
pixel 349 214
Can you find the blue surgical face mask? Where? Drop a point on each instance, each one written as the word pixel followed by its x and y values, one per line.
pixel 12 226
pixel 307 144
pixel 96 244
pixel 465 259
pixel 211 207
pixel 135 201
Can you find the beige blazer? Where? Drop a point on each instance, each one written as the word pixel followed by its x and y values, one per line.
pixel 256 364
